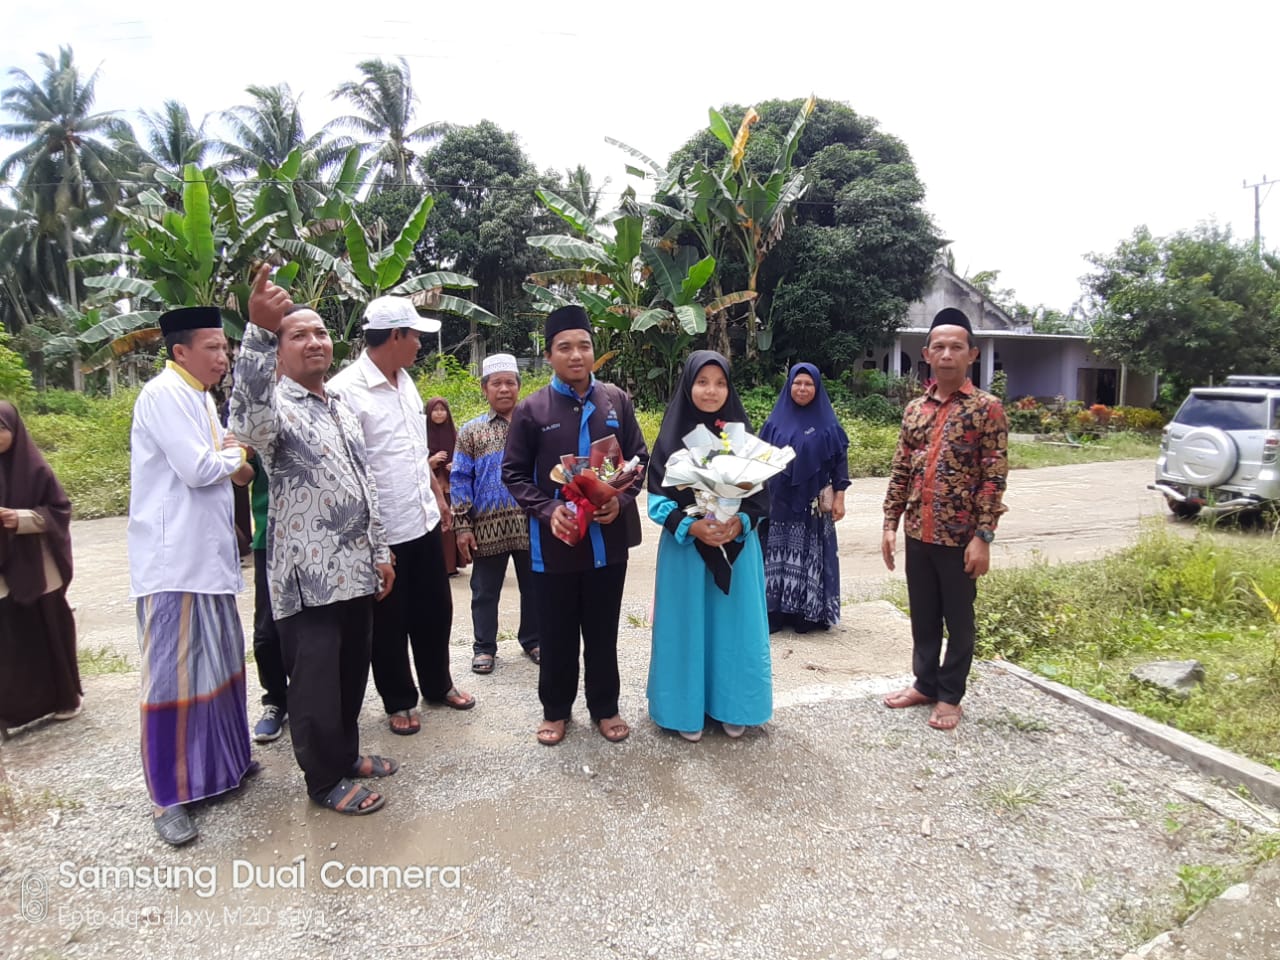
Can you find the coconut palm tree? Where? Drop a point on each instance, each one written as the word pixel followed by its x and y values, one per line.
pixel 172 140
pixel 68 170
pixel 385 101
pixel 582 192
pixel 266 131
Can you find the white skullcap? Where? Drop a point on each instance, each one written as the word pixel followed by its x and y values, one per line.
pixel 499 363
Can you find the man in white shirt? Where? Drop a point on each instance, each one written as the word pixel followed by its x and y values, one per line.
pixel 184 571
pixel 419 609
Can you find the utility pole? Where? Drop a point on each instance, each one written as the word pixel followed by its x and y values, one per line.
pixel 1258 199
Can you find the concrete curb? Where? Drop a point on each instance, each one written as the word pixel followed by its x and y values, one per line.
pixel 1262 782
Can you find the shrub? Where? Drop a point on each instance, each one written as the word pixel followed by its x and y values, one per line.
pixel 1139 419
pixel 1000 385
pixel 758 402
pixel 62 401
pixel 876 409
pixel 89 452
pixel 15 378
pixel 871 447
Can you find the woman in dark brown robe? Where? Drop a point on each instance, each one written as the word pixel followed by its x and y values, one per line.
pixel 39 674
pixel 442 437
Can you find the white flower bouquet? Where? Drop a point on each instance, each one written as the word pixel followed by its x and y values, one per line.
pixel 723 470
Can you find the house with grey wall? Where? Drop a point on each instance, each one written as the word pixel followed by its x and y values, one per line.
pixel 1043 365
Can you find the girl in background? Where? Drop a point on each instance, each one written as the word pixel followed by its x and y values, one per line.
pixel 442 438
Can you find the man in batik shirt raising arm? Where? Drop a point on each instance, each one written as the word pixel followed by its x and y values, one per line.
pixel 948 480
pixel 327 554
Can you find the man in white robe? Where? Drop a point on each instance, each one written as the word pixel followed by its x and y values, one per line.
pixel 184 570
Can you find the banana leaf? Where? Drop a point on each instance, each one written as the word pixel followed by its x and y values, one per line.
pixel 467 310
pixel 391 263
pixel 125 286
pixel 570 248
pixel 198 221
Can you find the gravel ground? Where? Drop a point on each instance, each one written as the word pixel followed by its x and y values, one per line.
pixel 840 829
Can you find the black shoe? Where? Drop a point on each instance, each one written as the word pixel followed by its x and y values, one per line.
pixel 174 825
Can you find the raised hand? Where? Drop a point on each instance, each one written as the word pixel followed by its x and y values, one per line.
pixel 267 302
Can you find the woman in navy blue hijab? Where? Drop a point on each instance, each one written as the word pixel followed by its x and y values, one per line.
pixel 802 570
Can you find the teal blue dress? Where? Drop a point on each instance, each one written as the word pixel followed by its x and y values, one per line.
pixel 710 655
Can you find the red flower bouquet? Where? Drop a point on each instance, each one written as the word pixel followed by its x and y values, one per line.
pixel 592 481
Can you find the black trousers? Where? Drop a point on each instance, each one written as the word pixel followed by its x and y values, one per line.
pixel 326 652
pixel 938 589
pixel 582 605
pixel 266 639
pixel 487 576
pixel 419 607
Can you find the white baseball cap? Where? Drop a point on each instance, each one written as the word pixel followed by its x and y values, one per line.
pixel 394 313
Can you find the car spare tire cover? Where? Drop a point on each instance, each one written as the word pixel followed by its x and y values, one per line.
pixel 1207 456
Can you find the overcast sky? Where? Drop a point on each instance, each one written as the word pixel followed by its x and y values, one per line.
pixel 1040 136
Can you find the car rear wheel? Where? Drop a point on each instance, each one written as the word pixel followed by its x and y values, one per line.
pixel 1181 509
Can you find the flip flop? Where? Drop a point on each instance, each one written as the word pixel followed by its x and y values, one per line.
pixel 907 697
pixel 482 663
pixel 174 825
pixel 346 798
pixel 549 735
pixel 378 767
pixel 946 720
pixel 617 729
pixel 457 700
pixel 405 730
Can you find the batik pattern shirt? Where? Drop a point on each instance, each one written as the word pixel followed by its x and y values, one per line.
pixel 950 468
pixel 482 504
pixel 324 534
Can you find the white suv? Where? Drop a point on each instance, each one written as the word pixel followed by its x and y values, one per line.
pixel 1220 448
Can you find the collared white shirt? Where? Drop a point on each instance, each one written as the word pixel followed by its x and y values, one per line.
pixel 181 510
pixel 395 435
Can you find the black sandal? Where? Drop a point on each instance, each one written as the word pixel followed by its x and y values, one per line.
pixel 347 797
pixel 378 767
pixel 534 654
pixel 482 663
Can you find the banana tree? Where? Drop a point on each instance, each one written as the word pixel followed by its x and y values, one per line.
pixel 202 254
pixel 759 209
pixel 95 338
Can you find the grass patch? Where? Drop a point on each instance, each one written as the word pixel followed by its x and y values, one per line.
pixel 102 660
pixel 1013 796
pixel 88 448
pixel 1112 446
pixel 1167 597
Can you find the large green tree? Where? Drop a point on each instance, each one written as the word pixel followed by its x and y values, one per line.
pixel 1193 305
pixel 68 170
pixel 485 208
pixel 385 102
pixel 862 244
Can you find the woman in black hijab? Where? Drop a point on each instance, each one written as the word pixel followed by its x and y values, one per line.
pixel 710 653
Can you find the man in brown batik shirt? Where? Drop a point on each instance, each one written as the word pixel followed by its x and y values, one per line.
pixel 948 480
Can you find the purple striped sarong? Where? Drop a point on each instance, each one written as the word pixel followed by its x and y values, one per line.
pixel 195 725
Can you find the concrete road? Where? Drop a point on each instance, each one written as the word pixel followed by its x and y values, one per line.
pixel 1059 513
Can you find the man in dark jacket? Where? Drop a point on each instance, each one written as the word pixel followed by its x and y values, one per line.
pixel 578 586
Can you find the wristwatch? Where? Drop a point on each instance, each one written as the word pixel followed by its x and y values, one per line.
pixel 986 536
